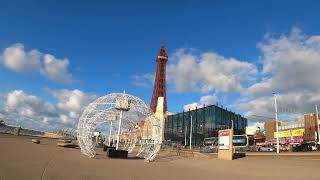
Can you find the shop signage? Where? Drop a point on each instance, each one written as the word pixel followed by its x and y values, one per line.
pixel 282 134
pixel 297 132
pixel 224 140
pixel 287 133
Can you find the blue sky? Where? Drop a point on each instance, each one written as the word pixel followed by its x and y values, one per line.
pixel 108 43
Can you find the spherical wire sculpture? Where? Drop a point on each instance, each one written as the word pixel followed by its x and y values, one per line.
pixel 123 112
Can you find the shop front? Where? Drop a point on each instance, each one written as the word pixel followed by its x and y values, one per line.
pixel 287 137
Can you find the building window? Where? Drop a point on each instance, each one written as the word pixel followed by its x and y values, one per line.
pixel 206 122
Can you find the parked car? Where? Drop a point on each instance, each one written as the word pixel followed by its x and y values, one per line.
pixel 305 146
pixel 266 148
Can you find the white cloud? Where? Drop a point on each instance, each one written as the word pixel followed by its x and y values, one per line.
pixel 72 103
pixel 208 99
pixel 204 73
pixel 30 111
pixel 56 69
pixel 191 106
pixel 204 100
pixel 144 80
pixel 291 66
pixel 262 106
pixel 290 63
pixel 22 108
pixel 208 72
pixel 16 58
pixel 260 89
pixel 28 105
pixel 290 105
pixel 253 126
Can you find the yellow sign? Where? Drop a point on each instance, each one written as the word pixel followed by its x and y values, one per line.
pixel 287 133
pixel 298 132
pixel 282 134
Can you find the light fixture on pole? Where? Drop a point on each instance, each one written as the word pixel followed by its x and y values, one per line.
pixel 277 124
pixel 122 104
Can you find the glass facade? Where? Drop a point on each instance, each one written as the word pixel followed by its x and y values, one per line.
pixel 206 122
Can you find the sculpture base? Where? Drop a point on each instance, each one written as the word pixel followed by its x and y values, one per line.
pixel 113 153
pixel 105 148
pixel 239 155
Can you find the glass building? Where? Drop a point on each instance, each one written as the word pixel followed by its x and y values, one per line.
pixel 206 122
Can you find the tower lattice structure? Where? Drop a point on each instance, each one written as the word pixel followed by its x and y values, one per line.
pixel 159 88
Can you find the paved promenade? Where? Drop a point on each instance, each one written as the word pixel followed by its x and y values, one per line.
pixel 315 154
pixel 21 159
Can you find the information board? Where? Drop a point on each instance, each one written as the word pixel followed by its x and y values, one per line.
pixel 240 140
pixel 224 140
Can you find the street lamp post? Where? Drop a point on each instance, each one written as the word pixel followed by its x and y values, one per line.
pixel 191 133
pixel 110 133
pixel 277 125
pixel 122 104
pixel 185 136
pixel 119 130
pixel 317 123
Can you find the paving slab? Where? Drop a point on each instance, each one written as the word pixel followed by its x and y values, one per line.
pixel 22 159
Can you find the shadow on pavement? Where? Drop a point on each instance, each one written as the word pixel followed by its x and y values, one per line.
pixel 239 155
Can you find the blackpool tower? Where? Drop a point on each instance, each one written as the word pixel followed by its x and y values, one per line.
pixel 159 88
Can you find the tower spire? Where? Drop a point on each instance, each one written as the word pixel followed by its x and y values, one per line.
pixel 159 88
pixel 162 51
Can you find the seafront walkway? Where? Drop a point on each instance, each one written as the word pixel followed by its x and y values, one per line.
pixel 22 159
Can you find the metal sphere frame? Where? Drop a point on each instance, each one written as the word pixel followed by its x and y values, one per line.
pixel 107 109
pixel 150 148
